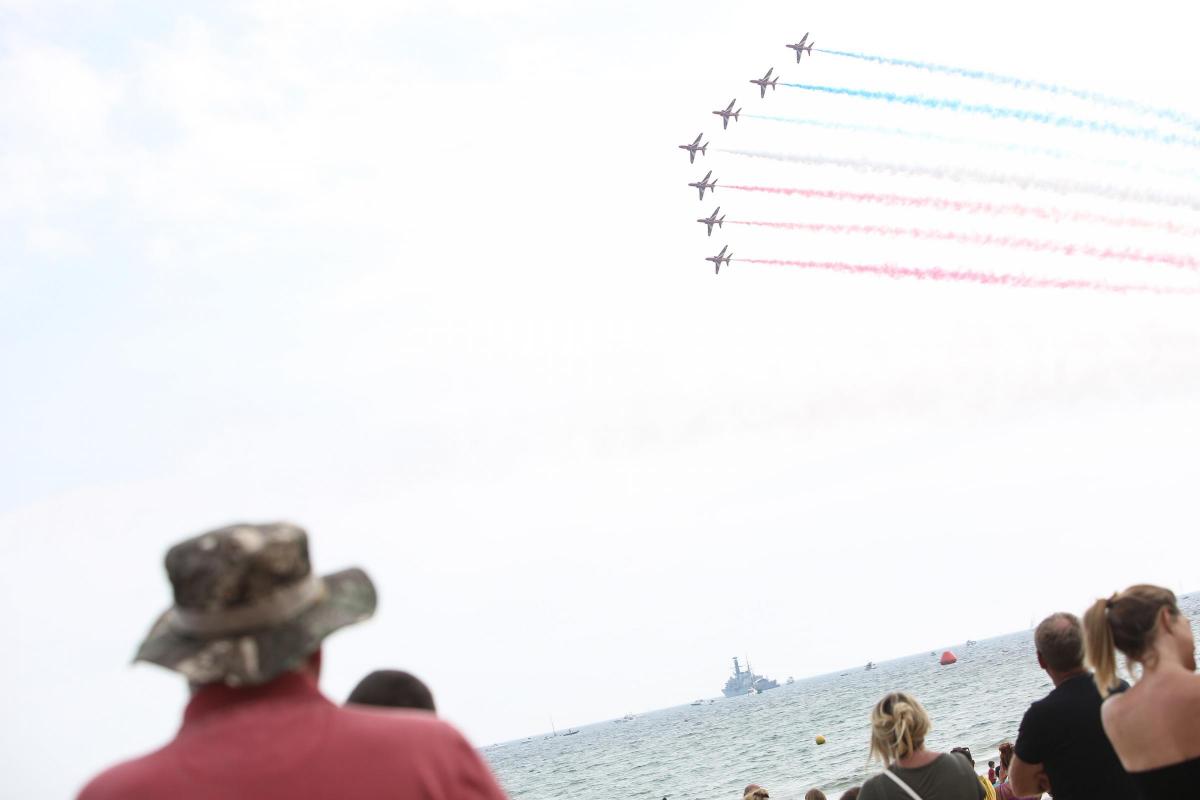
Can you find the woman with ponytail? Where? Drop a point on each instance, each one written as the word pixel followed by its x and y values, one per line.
pixel 898 728
pixel 1155 725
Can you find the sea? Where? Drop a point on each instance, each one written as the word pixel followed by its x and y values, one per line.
pixel 711 751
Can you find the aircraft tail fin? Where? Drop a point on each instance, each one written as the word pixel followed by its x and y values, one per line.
pixel 704 149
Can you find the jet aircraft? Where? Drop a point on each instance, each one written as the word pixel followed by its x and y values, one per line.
pixel 693 147
pixel 727 113
pixel 765 81
pixel 704 183
pixel 713 220
pixel 719 259
pixel 800 47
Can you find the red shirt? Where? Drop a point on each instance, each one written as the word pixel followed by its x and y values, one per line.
pixel 287 740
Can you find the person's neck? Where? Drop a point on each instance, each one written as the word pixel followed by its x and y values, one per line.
pixel 917 758
pixel 1059 678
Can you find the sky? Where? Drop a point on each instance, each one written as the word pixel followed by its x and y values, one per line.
pixel 425 279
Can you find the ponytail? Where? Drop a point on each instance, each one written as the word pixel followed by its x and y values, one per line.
pixel 1098 645
pixel 1128 622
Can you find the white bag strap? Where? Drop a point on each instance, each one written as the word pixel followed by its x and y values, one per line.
pixel 908 790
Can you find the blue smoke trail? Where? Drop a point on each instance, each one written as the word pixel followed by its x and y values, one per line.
pixel 1169 114
pixel 1012 147
pixel 1001 112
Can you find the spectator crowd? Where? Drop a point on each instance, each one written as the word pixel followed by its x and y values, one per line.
pixel 250 617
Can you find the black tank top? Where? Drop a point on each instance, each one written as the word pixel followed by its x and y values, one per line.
pixel 1170 782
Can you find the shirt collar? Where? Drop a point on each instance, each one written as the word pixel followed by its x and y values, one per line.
pixel 214 698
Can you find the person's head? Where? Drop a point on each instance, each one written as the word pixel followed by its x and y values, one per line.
pixel 851 793
pixel 814 794
pixel 392 688
pixel 1059 642
pixel 248 607
pixel 965 752
pixel 991 765
pixel 1144 623
pixel 755 792
pixel 898 727
pixel 1006 754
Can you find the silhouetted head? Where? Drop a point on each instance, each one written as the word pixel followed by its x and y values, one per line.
pixel 965 752
pixel 898 727
pixel 814 794
pixel 392 689
pixel 1059 643
pixel 1144 623
pixel 851 793
pixel 754 792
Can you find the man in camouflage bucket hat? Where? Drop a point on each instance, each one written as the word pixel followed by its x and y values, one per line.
pixel 248 607
pixel 246 630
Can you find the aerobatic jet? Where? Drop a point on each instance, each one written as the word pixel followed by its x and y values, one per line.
pixel 800 47
pixel 765 81
pixel 693 147
pixel 719 259
pixel 727 113
pixel 704 183
pixel 713 220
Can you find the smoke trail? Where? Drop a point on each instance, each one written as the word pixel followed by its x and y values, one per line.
pixel 1028 85
pixel 1012 147
pixel 1020 243
pixel 973 276
pixel 1002 112
pixel 976 207
pixel 962 175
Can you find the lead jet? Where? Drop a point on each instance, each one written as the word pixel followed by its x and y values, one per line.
pixel 765 81
pixel 800 47
pixel 693 147
pixel 704 183
pixel 719 259
pixel 727 113
pixel 713 220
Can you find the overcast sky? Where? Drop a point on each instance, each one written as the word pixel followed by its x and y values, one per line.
pixel 425 279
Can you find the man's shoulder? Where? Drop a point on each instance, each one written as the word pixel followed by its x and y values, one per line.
pixel 129 779
pixel 416 729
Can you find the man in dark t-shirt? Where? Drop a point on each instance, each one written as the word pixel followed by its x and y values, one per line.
pixel 1061 747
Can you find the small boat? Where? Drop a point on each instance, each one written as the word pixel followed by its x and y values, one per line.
pixel 571 732
pixel 697 702
pixel 971 642
pixel 789 681
pixel 626 718
pixel 870 665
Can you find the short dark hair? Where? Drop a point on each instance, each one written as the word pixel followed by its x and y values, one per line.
pixel 965 752
pixel 392 688
pixel 851 793
pixel 1059 640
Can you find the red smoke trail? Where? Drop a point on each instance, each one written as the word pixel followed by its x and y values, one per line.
pixel 972 276
pixel 977 207
pixel 1035 245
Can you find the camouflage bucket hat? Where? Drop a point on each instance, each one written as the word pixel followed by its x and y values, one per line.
pixel 248 607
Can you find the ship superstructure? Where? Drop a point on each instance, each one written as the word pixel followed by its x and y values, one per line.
pixel 744 681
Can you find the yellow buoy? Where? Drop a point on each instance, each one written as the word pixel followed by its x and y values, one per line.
pixel 820 740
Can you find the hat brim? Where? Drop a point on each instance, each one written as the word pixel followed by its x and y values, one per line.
pixel 255 657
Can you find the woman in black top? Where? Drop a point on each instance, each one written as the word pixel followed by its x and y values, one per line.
pixel 1155 725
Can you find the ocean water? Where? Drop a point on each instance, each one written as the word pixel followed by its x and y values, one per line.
pixel 711 752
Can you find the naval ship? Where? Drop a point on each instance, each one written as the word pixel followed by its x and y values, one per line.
pixel 744 681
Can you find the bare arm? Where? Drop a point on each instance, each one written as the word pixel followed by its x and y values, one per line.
pixel 1027 779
